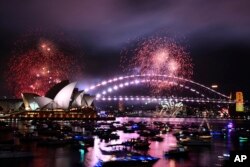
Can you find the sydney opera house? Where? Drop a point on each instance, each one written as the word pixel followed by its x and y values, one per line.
pixel 63 100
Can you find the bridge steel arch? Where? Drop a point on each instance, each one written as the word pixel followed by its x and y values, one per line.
pixel 110 85
pixel 137 82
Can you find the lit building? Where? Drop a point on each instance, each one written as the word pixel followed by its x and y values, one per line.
pixel 65 99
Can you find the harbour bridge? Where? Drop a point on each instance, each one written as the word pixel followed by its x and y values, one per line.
pixel 180 91
pixel 107 90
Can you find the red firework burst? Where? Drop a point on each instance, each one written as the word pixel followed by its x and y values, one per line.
pixel 39 68
pixel 158 55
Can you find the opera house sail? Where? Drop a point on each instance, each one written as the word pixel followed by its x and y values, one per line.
pixel 68 102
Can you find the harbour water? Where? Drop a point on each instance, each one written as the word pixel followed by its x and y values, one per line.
pixel 67 157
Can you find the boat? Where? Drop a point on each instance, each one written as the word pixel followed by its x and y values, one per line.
pixel 138 143
pixel 87 140
pixel 225 160
pixel 128 130
pixel 184 138
pixel 118 152
pixel 114 136
pixel 195 142
pixel 157 138
pixel 128 161
pixel 114 152
pixel 148 133
pixel 177 152
pixel 141 146
pixel 205 137
pixel 206 134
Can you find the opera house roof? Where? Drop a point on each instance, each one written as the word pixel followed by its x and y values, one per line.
pixel 61 96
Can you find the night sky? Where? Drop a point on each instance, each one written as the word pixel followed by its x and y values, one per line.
pixel 215 33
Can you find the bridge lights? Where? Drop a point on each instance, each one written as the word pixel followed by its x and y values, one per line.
pixel 92 87
pixel 121 85
pixel 104 83
pixel 98 95
pixel 214 86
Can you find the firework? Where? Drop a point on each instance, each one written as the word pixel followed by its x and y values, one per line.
pixel 158 55
pixel 38 69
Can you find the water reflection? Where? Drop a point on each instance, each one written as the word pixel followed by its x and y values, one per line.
pixel 67 157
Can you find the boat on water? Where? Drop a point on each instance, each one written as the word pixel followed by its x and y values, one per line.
pixel 157 138
pixel 206 137
pixel 177 152
pixel 140 144
pixel 195 142
pixel 116 152
pixel 128 161
pixel 129 130
pixel 87 140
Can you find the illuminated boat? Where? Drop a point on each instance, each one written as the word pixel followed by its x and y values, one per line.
pixel 140 144
pixel 87 140
pixel 117 152
pixel 205 137
pixel 128 161
pixel 195 142
pixel 243 139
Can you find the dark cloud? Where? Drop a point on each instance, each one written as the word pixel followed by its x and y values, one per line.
pixel 217 33
pixel 111 23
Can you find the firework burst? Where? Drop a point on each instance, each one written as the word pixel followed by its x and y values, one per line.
pixel 158 55
pixel 38 69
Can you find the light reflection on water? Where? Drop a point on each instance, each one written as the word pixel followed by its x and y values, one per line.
pixel 67 157
pixel 197 157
